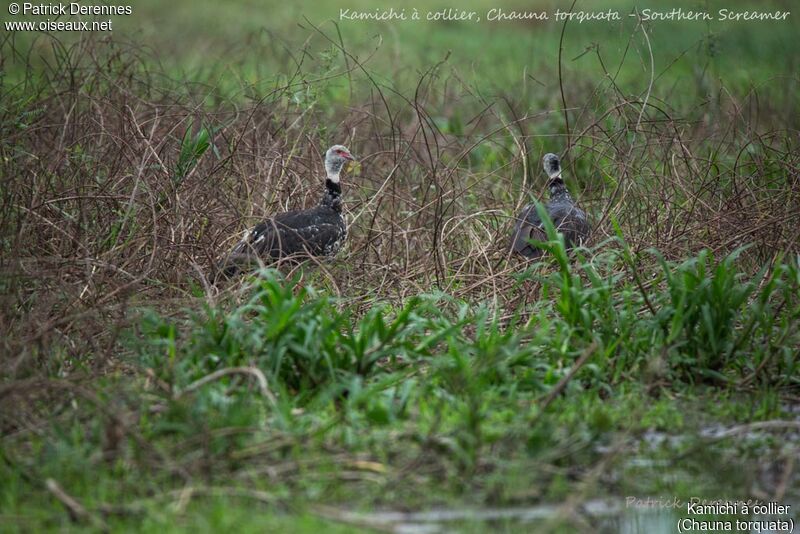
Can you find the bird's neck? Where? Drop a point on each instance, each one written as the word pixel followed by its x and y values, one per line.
pixel 558 191
pixel 332 172
pixel 332 197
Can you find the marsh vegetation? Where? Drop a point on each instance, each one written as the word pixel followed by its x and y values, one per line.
pixel 424 368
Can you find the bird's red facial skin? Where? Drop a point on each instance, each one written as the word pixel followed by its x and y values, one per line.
pixel 344 154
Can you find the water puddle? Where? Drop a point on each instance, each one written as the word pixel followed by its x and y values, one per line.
pixel 602 516
pixel 651 455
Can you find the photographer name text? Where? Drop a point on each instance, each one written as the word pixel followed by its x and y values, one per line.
pixel 71 9
pixel 46 17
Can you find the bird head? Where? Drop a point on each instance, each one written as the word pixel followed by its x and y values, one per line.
pixel 335 158
pixel 552 166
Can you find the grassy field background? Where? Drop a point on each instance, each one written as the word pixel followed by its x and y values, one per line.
pixel 423 370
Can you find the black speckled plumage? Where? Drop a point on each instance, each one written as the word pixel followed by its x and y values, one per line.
pixel 297 235
pixel 567 217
